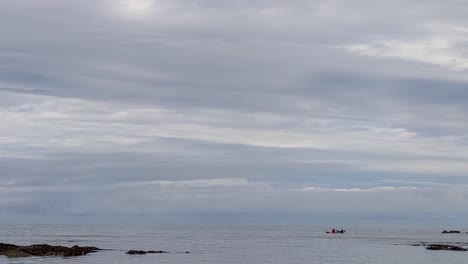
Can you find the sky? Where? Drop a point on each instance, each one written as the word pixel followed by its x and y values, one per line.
pixel 234 109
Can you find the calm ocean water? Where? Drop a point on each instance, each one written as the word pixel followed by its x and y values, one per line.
pixel 276 244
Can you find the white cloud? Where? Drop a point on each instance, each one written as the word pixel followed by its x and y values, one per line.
pixel 132 8
pixel 197 184
pixel 234 196
pixel 55 124
pixel 444 48
pixel 375 189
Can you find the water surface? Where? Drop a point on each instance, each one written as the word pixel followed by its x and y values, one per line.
pixel 217 244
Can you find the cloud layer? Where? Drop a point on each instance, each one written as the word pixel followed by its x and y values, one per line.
pixel 217 106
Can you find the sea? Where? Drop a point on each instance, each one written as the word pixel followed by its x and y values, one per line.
pixel 237 243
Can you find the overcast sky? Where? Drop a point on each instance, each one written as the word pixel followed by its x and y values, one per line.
pixel 188 108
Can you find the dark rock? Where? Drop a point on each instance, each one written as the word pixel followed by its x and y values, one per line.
pixel 10 250
pixel 445 247
pixel 7 247
pixel 451 232
pixel 142 252
pixel 157 252
pixel 136 252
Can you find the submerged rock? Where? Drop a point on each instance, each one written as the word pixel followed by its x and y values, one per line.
pixel 10 250
pixel 445 247
pixel 142 252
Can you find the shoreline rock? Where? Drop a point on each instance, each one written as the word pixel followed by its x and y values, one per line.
pixel 44 250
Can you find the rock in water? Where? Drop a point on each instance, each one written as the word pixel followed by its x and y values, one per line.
pixel 445 247
pixel 10 250
pixel 142 252
pixel 136 252
pixel 451 232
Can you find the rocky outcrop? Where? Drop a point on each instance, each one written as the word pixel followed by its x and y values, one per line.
pixel 445 247
pixel 10 250
pixel 451 232
pixel 453 246
pixel 142 252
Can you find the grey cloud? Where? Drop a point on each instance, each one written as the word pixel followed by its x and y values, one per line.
pixel 340 94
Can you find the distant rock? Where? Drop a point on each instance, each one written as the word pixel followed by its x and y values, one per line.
pixel 445 247
pixel 142 252
pixel 451 232
pixel 12 251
